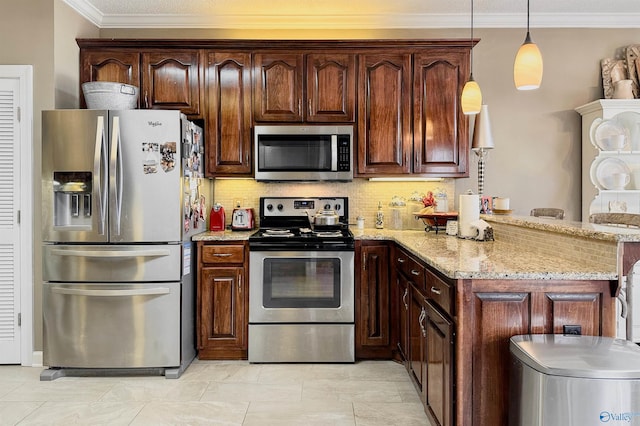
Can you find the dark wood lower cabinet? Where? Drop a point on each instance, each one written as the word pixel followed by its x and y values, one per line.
pixel 222 301
pixel 437 387
pixel 417 339
pixel 491 311
pixel 400 309
pixel 453 335
pixel 373 301
pixel 430 359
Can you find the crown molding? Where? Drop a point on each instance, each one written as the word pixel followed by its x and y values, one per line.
pixel 354 21
pixel 86 10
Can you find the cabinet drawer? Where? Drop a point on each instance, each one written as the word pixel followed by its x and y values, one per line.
pixel 411 268
pixel 223 254
pixel 439 291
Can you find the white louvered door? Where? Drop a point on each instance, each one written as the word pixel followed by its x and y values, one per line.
pixel 9 226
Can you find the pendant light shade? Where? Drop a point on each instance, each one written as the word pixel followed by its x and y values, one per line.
pixel 471 98
pixel 527 68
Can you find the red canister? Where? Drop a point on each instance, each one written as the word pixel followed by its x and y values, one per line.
pixel 216 218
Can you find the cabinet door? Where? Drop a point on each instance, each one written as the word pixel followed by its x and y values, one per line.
pixel 401 313
pixel 438 380
pixel 110 65
pixel 373 326
pixel 331 87
pixel 384 114
pixel 500 310
pixel 221 311
pixel 278 87
pixel 228 103
pixel 171 80
pixel 440 129
pixel 417 338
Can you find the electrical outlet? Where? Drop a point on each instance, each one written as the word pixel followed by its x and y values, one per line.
pixel 572 329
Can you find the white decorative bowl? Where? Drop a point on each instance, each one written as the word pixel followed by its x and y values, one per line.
pixel 108 95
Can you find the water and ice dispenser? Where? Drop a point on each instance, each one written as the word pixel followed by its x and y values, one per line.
pixel 72 199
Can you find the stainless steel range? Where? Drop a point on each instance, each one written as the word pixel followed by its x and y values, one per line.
pixel 301 283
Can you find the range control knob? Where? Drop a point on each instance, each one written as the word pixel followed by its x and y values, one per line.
pixel 327 206
pixel 269 207
pixel 337 207
pixel 280 207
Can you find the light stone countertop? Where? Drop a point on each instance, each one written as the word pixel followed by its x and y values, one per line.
pixel 579 229
pixel 465 259
pixel 461 258
pixel 223 236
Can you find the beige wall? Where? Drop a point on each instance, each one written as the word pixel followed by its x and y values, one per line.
pixel 537 159
pixel 42 33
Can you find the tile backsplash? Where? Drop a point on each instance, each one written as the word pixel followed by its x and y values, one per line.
pixel 363 194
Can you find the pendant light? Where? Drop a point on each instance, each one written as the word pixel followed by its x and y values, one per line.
pixel 527 68
pixel 471 99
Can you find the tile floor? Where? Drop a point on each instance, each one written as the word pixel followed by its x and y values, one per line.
pixel 218 392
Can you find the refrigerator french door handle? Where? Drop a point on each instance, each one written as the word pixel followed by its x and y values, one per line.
pixel 112 253
pixel 99 175
pixel 110 293
pixel 115 168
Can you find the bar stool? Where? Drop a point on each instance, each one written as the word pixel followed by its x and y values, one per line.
pixel 627 219
pixel 548 212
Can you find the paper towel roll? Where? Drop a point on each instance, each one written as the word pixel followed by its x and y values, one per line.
pixel 469 211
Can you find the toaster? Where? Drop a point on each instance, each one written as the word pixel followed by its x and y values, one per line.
pixel 242 219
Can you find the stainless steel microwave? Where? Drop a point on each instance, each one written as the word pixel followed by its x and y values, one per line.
pixel 303 153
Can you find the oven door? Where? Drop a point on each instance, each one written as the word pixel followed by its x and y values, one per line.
pixel 301 286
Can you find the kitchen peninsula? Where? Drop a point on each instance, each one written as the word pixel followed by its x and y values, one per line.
pixel 447 306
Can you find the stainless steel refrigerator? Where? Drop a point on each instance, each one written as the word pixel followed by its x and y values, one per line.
pixel 123 192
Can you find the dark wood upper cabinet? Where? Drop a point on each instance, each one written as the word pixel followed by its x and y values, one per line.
pixel 167 79
pixel 384 114
pixel 228 99
pixel 110 65
pixel 171 80
pixel 331 87
pixel 278 87
pixel 294 87
pixel 401 95
pixel 440 129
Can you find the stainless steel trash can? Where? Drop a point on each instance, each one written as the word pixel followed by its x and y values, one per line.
pixel 574 380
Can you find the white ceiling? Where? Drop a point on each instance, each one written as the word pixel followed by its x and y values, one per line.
pixel 356 14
